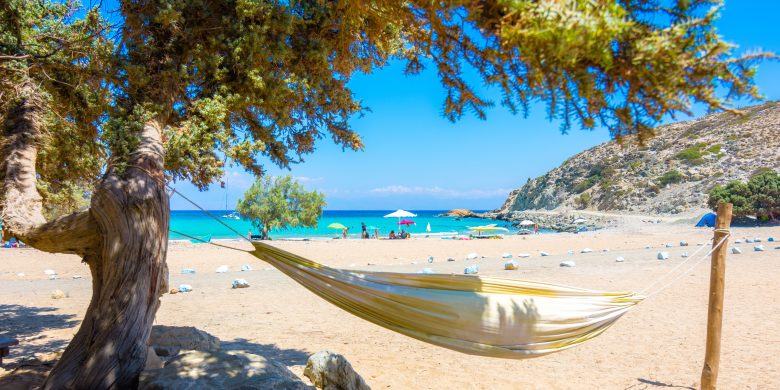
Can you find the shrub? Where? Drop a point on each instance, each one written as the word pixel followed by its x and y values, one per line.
pixel 672 176
pixel 583 200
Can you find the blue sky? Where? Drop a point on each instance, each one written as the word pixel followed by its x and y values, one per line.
pixel 416 159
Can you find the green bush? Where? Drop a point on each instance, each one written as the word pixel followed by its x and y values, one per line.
pixel 759 197
pixel 583 200
pixel 672 176
pixel 689 154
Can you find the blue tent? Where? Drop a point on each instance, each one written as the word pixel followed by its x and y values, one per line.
pixel 707 220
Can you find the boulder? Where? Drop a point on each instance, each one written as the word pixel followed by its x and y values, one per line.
pixel 240 283
pixel 568 263
pixel 153 362
pixel 511 265
pixel 756 239
pixel 736 250
pixel 220 370
pixel 168 340
pixel 471 270
pixel 331 371
pixel 184 288
pixel 662 256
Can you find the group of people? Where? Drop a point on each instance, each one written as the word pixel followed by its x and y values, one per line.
pixel 8 240
pixel 400 236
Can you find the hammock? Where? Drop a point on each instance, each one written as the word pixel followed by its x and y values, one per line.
pixel 476 315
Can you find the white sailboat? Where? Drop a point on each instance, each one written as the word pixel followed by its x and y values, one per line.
pixel 234 214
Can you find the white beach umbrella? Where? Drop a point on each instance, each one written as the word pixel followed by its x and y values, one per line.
pixel 400 214
pixel 527 223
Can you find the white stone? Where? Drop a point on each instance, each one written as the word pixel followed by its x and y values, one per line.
pixel 472 269
pixel 586 250
pixel 185 288
pixel 511 265
pixel 568 263
pixel 571 251
pixel 523 255
pixel 738 241
pixel 669 245
pixel 749 240
pixel 683 243
pixel 471 256
pixel 620 259
pixel 684 254
pixel 187 271
pixel 425 271
pixel 240 283
pixel 246 268
pixel 76 276
pixel 543 253
pixel 662 255
pixel 222 269
pixel 50 272
pixel 20 274
pixel 506 255
pixel 758 248
pixel 328 370
pixel 736 250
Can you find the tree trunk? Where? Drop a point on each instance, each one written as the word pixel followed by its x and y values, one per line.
pixel 123 238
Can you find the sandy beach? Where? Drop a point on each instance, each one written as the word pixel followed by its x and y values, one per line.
pixel 659 344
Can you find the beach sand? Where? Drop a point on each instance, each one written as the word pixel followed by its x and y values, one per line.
pixel 658 344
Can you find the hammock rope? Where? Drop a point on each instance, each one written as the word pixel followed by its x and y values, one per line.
pixel 486 316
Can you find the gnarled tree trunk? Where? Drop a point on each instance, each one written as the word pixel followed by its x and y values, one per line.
pixel 123 238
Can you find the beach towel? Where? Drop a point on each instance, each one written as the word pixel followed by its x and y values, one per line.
pixel 484 316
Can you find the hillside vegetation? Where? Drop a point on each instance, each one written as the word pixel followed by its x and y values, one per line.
pixel 672 173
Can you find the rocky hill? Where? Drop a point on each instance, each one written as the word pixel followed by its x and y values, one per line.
pixel 671 174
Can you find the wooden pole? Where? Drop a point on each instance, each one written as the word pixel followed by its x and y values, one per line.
pixel 709 374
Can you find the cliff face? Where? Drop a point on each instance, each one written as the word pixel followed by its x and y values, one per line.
pixel 673 173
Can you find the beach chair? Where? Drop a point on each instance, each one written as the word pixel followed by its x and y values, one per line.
pixel 5 343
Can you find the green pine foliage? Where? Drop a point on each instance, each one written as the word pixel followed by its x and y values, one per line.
pixel 759 196
pixel 252 82
pixel 279 203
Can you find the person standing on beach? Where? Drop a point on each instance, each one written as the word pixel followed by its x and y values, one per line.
pixel 363 232
pixel 344 232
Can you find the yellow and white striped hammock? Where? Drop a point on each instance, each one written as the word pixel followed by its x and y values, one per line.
pixel 476 315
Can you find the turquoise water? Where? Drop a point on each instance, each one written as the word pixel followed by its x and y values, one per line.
pixel 198 224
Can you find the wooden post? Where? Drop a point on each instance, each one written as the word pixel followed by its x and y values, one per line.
pixel 709 374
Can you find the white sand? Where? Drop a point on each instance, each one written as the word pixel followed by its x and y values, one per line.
pixel 660 343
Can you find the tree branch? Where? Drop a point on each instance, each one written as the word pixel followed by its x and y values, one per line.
pixel 21 208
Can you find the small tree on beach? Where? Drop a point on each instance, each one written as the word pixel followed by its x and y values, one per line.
pixel 174 90
pixel 759 196
pixel 280 203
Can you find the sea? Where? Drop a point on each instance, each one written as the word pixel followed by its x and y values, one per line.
pixel 198 224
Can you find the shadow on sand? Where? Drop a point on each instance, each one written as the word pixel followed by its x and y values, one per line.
pixel 650 384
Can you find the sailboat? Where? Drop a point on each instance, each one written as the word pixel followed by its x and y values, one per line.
pixel 234 214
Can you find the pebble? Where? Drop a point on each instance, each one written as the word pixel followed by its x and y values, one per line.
pixel 246 268
pixel 450 259
pixel 58 294
pixel 669 245
pixel 76 276
pixel 738 241
pixel 756 239
pixel 426 271
pixel 523 255
pixel 471 256
pixel 240 283
pixel 414 262
pixel 662 255
pixel 683 243
pixel 605 250
pixel 684 254
pixel 647 247
pixel 571 251
pixel 20 274
pixel 543 253
pixel 183 288
pixel 430 259
pixel 511 265
pixel 50 272
pixel 758 248
pixel 173 291
pixel 506 255
pixel 771 239
pixel 586 250
pixel 749 240
pixel 221 269
pixel 568 263
pixel 736 250
pixel 620 259
pixel 188 271
pixel 777 247
pixel 471 270
pixel 52 277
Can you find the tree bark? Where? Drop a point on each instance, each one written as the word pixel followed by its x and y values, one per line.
pixel 123 237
